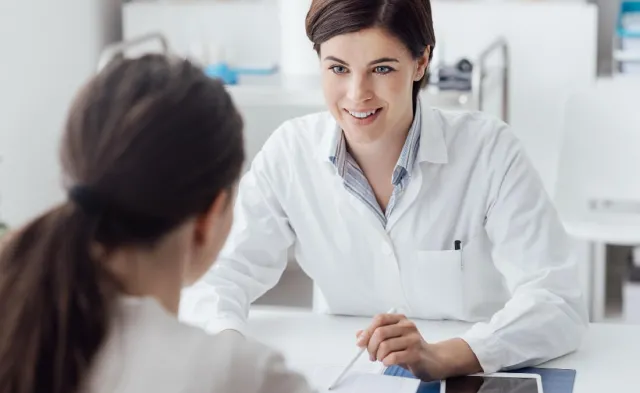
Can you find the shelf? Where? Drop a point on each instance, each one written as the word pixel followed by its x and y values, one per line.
pixel 627 56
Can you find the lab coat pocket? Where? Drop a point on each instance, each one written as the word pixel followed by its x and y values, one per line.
pixel 436 284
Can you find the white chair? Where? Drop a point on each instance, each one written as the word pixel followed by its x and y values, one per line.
pixel 598 183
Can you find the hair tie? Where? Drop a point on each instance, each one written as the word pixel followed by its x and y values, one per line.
pixel 87 199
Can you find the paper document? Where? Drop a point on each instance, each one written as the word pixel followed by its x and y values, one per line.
pixel 359 381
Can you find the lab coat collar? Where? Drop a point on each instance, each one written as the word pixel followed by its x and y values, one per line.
pixel 433 147
pixel 331 137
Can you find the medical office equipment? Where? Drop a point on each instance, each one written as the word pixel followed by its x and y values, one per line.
pixel 626 56
pixel 231 75
pixel 473 83
pixel 552 380
pixel 119 49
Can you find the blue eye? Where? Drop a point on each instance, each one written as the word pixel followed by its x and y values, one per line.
pixel 383 70
pixel 339 69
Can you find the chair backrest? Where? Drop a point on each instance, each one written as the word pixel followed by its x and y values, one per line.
pixel 599 163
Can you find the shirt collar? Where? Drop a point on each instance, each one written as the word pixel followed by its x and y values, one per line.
pixel 409 151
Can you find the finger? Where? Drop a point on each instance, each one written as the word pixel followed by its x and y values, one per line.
pixel 398 344
pixel 362 338
pixel 377 322
pixel 384 320
pixel 401 358
pixel 383 334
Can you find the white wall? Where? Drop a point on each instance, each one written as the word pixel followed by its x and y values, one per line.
pixel 225 24
pixel 47 49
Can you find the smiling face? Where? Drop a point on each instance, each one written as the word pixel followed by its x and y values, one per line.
pixel 367 79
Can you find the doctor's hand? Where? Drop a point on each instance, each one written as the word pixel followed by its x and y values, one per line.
pixel 394 340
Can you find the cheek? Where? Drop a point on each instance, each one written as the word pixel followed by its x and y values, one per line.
pixel 333 89
pixel 395 85
pixel 220 232
pixel 228 223
pixel 207 255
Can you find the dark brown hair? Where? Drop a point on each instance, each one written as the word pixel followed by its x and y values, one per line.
pixel 149 143
pixel 410 21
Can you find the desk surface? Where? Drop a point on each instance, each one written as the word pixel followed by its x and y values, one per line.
pixel 608 361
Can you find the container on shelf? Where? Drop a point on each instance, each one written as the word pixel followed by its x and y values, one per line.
pixel 626 54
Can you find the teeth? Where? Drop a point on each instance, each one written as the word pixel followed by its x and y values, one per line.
pixel 362 115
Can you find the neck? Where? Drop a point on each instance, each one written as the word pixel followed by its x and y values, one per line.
pixel 152 273
pixel 382 155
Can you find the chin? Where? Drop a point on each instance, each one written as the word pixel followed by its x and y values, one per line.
pixel 362 134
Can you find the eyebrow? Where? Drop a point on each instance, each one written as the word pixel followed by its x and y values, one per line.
pixel 378 61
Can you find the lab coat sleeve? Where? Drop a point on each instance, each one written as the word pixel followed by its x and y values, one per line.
pixel 255 254
pixel 546 316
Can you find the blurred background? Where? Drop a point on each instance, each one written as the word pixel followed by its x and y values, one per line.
pixel 564 73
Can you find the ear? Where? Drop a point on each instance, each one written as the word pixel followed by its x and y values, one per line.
pixel 204 224
pixel 422 64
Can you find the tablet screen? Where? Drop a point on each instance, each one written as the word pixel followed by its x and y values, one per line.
pixel 488 384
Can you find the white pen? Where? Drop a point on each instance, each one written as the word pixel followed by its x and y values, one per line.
pixel 353 361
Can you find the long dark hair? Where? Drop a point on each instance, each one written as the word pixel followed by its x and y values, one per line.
pixel 408 20
pixel 149 143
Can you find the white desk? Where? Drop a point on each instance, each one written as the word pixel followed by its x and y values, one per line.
pixel 607 362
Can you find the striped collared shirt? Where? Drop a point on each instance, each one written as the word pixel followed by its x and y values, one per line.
pixel 355 181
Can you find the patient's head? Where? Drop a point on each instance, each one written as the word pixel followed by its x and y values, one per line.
pixel 152 152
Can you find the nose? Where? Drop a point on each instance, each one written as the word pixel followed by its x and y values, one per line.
pixel 359 89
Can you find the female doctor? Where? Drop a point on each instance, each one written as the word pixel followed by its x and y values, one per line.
pixel 388 202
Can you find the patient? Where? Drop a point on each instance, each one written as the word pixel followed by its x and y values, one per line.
pixel 89 292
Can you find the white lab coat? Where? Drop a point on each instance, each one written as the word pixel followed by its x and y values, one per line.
pixel 515 275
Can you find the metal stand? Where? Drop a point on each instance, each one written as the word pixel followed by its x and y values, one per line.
pixel 117 50
pixel 475 97
pixel 480 72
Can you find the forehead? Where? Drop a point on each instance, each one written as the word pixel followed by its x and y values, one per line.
pixel 364 46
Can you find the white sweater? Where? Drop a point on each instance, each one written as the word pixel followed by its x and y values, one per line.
pixel 149 350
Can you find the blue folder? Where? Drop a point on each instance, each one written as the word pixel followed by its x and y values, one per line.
pixel 554 380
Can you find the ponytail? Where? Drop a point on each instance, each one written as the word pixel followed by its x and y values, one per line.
pixel 55 304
